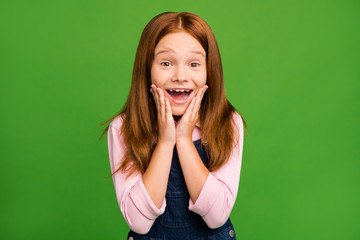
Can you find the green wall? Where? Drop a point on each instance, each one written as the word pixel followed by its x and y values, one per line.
pixel 292 68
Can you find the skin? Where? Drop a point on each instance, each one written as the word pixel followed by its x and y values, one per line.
pixel 179 63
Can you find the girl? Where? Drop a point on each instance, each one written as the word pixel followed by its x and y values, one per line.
pixel 175 148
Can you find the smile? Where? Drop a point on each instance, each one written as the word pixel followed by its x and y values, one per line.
pixel 179 95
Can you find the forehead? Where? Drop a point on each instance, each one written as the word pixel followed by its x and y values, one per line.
pixel 179 43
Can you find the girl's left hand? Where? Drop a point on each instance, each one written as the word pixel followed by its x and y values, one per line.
pixel 187 122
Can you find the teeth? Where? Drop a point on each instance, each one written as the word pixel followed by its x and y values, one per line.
pixel 179 90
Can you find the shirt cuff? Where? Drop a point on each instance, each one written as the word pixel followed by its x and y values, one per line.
pixel 143 202
pixel 207 197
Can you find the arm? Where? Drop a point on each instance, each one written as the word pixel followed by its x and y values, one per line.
pixel 212 195
pixel 195 172
pixel 219 191
pixel 157 173
pixel 134 201
pixel 142 197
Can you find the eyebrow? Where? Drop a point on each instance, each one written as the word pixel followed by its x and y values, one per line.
pixel 170 50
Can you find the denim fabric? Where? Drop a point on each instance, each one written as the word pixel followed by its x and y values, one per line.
pixel 178 222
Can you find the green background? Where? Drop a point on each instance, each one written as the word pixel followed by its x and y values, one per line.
pixel 292 68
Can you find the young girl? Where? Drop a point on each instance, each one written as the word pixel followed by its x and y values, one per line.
pixel 175 149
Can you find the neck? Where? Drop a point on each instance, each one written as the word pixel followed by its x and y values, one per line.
pixel 177 118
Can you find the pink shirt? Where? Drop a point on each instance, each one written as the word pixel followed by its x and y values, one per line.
pixel 214 203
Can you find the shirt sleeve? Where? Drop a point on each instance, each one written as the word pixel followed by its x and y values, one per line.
pixel 135 204
pixel 219 192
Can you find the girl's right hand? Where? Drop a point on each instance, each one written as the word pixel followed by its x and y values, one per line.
pixel 166 125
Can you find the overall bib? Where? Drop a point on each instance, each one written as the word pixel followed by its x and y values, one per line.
pixel 178 222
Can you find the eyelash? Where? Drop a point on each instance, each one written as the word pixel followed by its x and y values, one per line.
pixel 198 64
pixel 167 64
pixel 163 64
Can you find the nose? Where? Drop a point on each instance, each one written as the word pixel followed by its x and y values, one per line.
pixel 180 73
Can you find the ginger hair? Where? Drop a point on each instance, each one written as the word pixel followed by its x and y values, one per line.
pixel 139 128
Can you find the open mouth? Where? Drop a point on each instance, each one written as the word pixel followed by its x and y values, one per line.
pixel 179 95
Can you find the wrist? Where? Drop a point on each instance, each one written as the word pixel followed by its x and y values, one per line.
pixel 184 140
pixel 165 144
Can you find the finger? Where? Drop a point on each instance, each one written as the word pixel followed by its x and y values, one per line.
pixel 199 96
pixel 158 103
pixel 190 109
pixel 156 98
pixel 161 103
pixel 168 111
pixel 196 105
pixel 153 94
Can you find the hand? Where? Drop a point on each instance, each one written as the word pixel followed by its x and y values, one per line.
pixel 186 125
pixel 166 125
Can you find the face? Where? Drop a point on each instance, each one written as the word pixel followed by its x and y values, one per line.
pixel 179 69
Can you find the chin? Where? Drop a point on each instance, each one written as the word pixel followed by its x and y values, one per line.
pixel 177 112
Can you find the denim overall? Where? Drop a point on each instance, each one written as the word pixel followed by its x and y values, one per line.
pixel 178 222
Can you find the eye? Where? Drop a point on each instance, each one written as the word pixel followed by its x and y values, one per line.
pixel 194 64
pixel 165 64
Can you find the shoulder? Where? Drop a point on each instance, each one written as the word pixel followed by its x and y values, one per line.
pixel 117 122
pixel 237 120
pixel 116 142
pixel 238 126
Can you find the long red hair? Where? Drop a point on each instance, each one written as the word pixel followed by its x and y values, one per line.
pixel 139 129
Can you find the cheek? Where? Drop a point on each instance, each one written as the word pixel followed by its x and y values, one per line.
pixel 158 77
pixel 153 75
pixel 202 79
